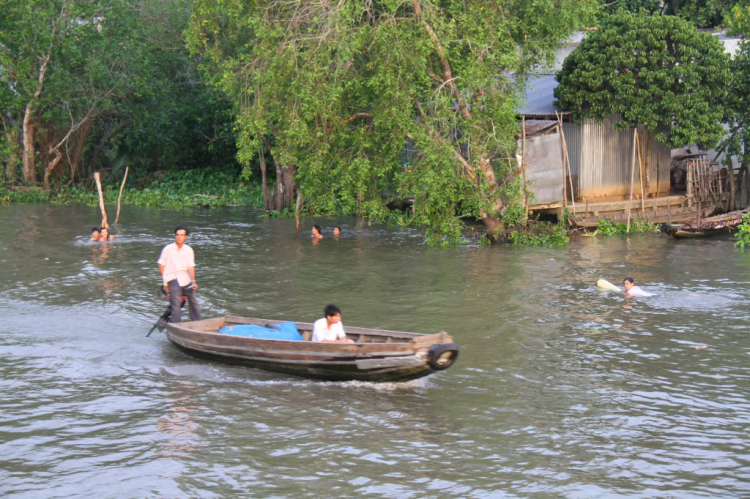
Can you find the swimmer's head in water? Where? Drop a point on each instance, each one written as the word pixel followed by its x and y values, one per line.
pixel 337 231
pixel 95 232
pixel 628 282
pixel 316 230
pixel 104 232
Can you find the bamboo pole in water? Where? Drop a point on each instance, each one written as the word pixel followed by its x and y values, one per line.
pixel 122 186
pixel 632 174
pixel 101 199
pixel 296 210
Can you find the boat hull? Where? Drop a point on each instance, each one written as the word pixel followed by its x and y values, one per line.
pixel 377 355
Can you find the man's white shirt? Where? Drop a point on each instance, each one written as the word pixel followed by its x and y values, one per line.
pixel 321 332
pixel 176 263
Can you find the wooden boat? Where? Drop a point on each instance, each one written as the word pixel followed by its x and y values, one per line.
pixel 659 216
pixel 681 231
pixel 377 355
pixel 725 223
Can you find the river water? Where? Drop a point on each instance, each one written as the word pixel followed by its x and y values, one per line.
pixel 560 390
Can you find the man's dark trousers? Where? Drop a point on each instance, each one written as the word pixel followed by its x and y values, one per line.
pixel 175 300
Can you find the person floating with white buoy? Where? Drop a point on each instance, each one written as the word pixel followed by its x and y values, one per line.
pixel 631 290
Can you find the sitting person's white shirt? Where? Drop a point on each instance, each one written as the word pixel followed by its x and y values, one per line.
pixel 321 331
pixel 637 291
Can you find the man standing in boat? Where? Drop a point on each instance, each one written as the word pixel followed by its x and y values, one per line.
pixel 177 267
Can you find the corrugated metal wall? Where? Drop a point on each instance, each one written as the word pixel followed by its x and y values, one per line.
pixel 603 157
pixel 661 162
pixel 574 141
pixel 544 168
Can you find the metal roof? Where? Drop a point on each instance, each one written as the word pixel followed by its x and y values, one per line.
pixel 538 127
pixel 539 96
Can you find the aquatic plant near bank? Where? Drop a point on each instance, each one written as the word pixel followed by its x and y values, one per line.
pixel 608 227
pixel 539 234
pixel 743 233
pixel 176 189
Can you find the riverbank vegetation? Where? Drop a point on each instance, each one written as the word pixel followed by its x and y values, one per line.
pixel 346 108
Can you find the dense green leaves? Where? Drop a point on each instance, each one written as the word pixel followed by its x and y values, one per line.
pixel 371 101
pixel 119 88
pixel 655 71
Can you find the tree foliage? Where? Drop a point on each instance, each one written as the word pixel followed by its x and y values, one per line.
pixel 655 71
pixel 700 13
pixel 368 101
pixel 100 84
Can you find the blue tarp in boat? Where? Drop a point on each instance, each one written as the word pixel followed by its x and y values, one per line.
pixel 284 331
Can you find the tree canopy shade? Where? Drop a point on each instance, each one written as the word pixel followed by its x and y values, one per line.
pixel 358 102
pixel 655 71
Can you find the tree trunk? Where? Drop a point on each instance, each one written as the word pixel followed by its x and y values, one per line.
pixel 51 166
pixel 647 160
pixel 495 226
pixel 82 135
pixel 29 173
pixel 10 166
pixel 284 186
pixel 29 163
pixel 732 186
pixel 264 177
pixel 741 186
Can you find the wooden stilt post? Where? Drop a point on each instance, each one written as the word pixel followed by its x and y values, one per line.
pixel 689 183
pixel 566 161
pixel 640 170
pixel 565 188
pixel 632 174
pixel 101 200
pixel 122 186
pixel 523 164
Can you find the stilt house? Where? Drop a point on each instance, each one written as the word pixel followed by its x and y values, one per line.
pixel 591 168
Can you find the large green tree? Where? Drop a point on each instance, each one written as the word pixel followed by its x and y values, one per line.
pixel 358 102
pixel 736 142
pixel 656 71
pixel 701 13
pixel 103 84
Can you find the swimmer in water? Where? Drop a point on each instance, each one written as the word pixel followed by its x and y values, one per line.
pixel 631 290
pixel 104 235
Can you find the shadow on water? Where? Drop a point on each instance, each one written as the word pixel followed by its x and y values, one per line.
pixel 560 390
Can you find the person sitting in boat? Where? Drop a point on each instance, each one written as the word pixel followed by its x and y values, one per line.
pixel 631 290
pixel 316 234
pixel 94 234
pixel 329 329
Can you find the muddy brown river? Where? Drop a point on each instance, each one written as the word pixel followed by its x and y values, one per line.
pixel 560 390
